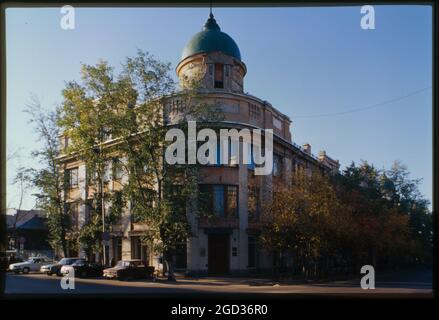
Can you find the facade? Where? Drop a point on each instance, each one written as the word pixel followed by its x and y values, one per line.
pixel 225 243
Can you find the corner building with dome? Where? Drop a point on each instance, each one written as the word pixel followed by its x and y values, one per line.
pixel 226 243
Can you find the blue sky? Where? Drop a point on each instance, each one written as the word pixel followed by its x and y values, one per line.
pixel 305 61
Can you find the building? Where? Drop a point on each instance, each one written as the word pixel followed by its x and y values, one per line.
pixel 226 243
pixel 27 233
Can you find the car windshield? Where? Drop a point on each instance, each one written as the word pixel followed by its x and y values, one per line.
pixel 122 264
pixel 66 261
pixel 79 263
pixel 31 260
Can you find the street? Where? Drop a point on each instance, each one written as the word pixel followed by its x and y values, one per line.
pixel 403 283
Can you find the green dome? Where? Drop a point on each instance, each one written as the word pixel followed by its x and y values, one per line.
pixel 211 39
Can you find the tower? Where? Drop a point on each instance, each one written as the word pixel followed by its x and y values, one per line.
pixel 213 57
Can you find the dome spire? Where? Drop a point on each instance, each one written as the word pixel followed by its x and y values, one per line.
pixel 211 22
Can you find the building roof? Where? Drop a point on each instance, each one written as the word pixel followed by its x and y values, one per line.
pixel 26 219
pixel 211 39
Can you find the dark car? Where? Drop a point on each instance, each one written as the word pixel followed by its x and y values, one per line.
pixel 56 268
pixel 129 269
pixel 84 269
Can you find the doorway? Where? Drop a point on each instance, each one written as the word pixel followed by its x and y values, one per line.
pixel 117 250
pixel 218 254
pixel 138 250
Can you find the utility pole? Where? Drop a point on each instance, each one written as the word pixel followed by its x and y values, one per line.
pixel 101 192
pixel 104 258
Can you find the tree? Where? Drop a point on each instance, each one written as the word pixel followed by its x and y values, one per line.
pixel 87 118
pixel 161 195
pixel 23 180
pixel 407 199
pixel 358 188
pixel 48 178
pixel 384 204
pixel 130 111
pixel 336 224
pixel 304 220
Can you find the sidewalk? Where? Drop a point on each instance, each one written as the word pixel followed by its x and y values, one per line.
pixel 249 281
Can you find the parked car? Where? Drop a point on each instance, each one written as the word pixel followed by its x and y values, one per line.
pixel 55 268
pixel 32 264
pixel 83 269
pixel 9 257
pixel 128 269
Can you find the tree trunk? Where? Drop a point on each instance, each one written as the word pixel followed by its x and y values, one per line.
pixel 170 261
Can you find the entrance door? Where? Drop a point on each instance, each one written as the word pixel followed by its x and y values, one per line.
pixel 139 251
pixel 218 254
pixel 117 250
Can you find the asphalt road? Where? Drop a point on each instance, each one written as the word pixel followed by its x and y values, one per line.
pixel 404 283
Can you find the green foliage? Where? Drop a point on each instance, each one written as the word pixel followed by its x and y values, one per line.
pixel 48 178
pixel 124 115
pixel 336 224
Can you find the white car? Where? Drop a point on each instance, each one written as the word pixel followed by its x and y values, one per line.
pixel 32 264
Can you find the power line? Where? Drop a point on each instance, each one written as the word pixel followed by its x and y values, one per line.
pixel 365 108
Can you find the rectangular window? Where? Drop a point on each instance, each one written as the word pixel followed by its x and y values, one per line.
pixel 219 200
pixel 88 209
pixel 254 111
pixel 277 165
pixel 117 169
pixel 107 171
pixel 277 123
pixel 74 214
pixel 73 178
pixel 106 134
pixel 219 76
pixel 232 201
pixel 92 176
pixel 219 152
pixel 254 203
pixel 252 252
pixel 66 142
pixel 221 147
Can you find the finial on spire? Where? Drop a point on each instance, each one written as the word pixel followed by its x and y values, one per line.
pixel 211 22
pixel 211 14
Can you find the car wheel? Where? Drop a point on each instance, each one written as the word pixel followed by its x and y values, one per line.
pixel 16 271
pixel 26 270
pixel 49 273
